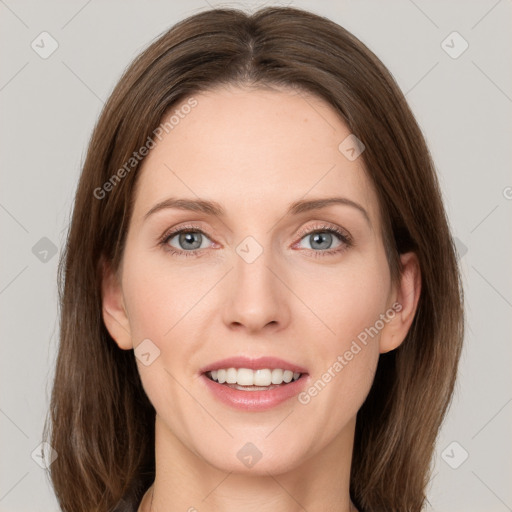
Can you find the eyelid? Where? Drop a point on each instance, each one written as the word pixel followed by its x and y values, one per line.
pixel 172 232
pixel 343 233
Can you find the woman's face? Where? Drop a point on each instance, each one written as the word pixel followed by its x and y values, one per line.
pixel 303 288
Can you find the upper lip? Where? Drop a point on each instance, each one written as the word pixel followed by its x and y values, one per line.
pixel 254 364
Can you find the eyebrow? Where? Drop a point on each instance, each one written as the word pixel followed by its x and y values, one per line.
pixel 215 209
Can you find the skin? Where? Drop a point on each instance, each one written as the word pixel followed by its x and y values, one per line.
pixel 254 151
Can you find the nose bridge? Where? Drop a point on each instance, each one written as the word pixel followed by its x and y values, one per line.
pixel 257 297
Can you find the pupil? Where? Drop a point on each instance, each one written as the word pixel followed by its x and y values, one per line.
pixel 317 238
pixel 188 238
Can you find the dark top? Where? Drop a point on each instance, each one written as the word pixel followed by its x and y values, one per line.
pixel 131 501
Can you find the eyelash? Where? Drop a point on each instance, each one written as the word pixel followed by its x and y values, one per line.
pixel 342 236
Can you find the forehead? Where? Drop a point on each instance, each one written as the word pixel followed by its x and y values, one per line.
pixel 254 151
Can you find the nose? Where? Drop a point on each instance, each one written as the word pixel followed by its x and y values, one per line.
pixel 256 298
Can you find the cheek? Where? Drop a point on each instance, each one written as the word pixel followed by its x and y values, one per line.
pixel 348 300
pixel 158 295
pixel 163 303
pixel 160 303
pixel 345 356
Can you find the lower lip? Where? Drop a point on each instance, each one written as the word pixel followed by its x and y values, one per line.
pixel 254 400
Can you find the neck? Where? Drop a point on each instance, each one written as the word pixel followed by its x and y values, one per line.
pixel 186 482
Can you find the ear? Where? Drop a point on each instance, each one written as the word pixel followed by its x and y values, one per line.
pixel 405 303
pixel 113 308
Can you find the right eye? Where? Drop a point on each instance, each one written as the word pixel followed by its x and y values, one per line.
pixel 186 241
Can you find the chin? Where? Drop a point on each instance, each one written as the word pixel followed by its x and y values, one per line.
pixel 255 457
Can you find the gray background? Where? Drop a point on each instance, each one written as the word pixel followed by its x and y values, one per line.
pixel 464 105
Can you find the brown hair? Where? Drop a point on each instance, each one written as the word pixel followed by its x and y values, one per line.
pixel 101 422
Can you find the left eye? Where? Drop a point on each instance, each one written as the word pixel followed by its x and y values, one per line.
pixel 322 239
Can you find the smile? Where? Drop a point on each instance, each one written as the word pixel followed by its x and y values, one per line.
pixel 254 384
pixel 253 380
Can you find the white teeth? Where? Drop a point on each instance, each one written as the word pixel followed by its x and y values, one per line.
pixel 277 376
pixel 231 375
pixel 262 378
pixel 288 376
pixel 246 377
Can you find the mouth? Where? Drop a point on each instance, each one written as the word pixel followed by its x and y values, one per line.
pixel 254 384
pixel 245 379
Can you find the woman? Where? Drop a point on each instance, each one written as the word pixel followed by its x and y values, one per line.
pixel 260 304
